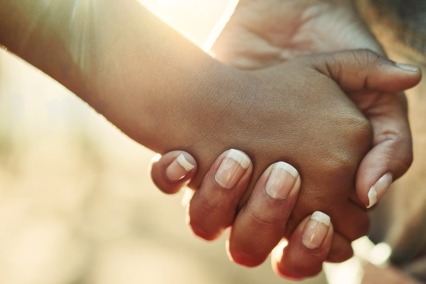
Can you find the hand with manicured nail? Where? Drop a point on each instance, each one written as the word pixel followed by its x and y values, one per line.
pixel 259 225
pixel 166 93
pixel 325 142
pixel 263 33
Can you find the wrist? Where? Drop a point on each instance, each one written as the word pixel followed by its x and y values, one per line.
pixel 195 108
pixel 153 84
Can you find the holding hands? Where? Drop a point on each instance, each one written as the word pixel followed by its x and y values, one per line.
pixel 324 133
pixel 343 127
pixel 319 131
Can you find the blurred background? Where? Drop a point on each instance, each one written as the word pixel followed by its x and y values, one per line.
pixel 77 205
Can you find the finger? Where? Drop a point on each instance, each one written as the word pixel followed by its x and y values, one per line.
pixel 307 249
pixel 351 221
pixel 214 205
pixel 171 171
pixel 260 224
pixel 341 249
pixel 360 72
pixel 391 154
pixel 362 69
pixel 356 216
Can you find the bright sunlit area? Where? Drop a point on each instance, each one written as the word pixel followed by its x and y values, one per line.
pixel 77 205
pixel 199 20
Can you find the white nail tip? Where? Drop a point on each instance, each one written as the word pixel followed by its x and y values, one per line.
pixel 239 157
pixel 372 197
pixel 287 167
pixel 321 217
pixel 184 162
pixel 379 189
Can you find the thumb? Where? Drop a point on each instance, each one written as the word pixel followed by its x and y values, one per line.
pixel 365 70
pixel 374 84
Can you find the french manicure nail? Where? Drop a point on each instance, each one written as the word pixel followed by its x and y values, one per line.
pixel 407 67
pixel 179 168
pixel 232 168
pixel 379 189
pixel 316 230
pixel 282 180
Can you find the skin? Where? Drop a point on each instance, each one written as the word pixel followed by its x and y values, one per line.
pixel 212 211
pixel 252 41
pixel 296 28
pixel 160 89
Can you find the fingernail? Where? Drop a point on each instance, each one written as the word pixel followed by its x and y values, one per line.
pixel 179 168
pixel 379 189
pixel 407 67
pixel 316 230
pixel 282 180
pixel 232 168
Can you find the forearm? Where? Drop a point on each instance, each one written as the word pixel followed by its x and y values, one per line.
pixel 116 56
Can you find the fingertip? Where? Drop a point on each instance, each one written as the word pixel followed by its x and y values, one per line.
pixel 204 234
pixel 260 223
pixel 318 232
pixel 409 68
pixel 180 167
pixel 372 185
pixel 307 249
pixel 381 166
pixel 367 69
pixel 413 71
pixel 276 262
pixel 277 268
pixel 246 260
pixel 172 171
pixel 214 205
pixel 379 189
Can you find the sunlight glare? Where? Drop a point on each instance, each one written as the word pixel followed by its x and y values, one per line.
pixel 351 271
pixel 79 26
pixel 199 20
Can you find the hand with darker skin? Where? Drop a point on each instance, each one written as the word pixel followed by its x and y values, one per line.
pixel 265 33
pixel 329 126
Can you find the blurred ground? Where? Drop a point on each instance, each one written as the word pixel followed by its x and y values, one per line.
pixel 76 202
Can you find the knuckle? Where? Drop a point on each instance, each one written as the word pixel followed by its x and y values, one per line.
pixel 361 132
pixel 266 218
pixel 353 143
pixel 340 167
pixel 366 55
pixel 357 122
